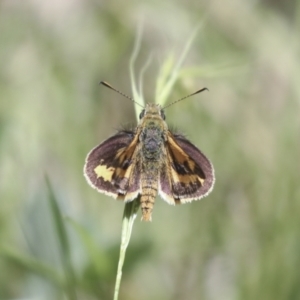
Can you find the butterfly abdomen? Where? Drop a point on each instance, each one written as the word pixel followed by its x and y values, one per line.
pixel 148 195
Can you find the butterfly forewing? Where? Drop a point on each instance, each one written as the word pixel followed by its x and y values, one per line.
pixel 203 164
pixel 190 175
pixel 109 166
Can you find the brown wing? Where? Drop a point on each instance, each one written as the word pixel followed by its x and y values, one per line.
pixel 109 167
pixel 188 175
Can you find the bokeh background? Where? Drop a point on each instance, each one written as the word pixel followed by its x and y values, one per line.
pixel 242 241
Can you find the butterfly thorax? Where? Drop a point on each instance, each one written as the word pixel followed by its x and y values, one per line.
pixel 152 137
pixel 152 132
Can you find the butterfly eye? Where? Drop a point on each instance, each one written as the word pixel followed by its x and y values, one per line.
pixel 142 114
pixel 162 114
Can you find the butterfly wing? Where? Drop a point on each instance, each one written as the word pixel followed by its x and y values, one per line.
pixel 188 175
pixel 110 167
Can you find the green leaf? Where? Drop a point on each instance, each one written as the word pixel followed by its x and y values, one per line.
pixel 63 242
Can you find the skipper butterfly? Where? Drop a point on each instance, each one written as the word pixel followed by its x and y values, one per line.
pixel 147 161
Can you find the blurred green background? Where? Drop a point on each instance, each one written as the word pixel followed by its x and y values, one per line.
pixel 242 241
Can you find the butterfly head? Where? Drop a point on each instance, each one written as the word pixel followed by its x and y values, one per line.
pixel 152 111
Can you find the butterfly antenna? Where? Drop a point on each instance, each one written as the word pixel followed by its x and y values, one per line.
pixel 197 92
pixel 124 95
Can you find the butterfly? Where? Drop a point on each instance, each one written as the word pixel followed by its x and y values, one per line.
pixel 147 161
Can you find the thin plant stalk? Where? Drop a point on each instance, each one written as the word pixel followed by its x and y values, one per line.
pixel 166 81
pixel 129 216
pixel 131 208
